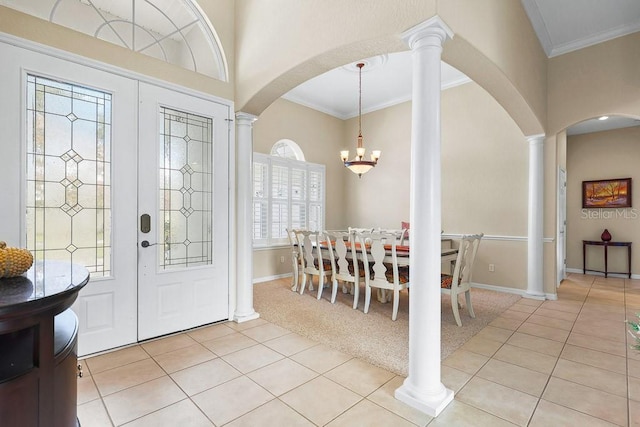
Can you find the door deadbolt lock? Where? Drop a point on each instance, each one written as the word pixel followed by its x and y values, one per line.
pixel 145 223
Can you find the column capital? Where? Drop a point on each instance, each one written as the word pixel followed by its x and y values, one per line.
pixel 536 139
pixel 245 118
pixel 433 26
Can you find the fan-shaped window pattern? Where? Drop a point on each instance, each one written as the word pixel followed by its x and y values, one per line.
pixel 288 149
pixel 174 31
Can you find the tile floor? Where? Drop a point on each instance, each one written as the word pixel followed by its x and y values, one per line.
pixel 541 363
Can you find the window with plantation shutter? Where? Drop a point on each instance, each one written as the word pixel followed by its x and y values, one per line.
pixel 287 193
pixel 260 202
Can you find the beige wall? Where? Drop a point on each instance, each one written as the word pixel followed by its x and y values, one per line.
pixel 316 36
pixel 485 177
pixel 602 155
pixel 220 13
pixel 484 167
pixel 317 39
pixel 595 81
pixel 320 136
pixel 590 82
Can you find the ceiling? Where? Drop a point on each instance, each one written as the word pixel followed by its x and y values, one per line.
pixel 561 26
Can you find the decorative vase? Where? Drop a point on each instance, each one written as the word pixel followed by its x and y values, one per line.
pixel 606 236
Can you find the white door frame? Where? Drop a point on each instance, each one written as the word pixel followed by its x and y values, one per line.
pixel 561 227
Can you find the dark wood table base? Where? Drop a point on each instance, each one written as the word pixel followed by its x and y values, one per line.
pixel 606 246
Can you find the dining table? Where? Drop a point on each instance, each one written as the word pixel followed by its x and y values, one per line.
pixel 447 254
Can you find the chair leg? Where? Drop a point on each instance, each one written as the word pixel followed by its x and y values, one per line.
pixel 334 290
pixel 469 306
pixel 304 283
pixel 321 279
pixel 356 294
pixel 345 289
pixel 296 277
pixel 367 298
pixel 456 311
pixel 396 303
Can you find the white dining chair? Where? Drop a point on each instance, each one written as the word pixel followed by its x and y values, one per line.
pixel 378 273
pixel 460 281
pixel 344 263
pixel 296 258
pixel 402 234
pixel 313 262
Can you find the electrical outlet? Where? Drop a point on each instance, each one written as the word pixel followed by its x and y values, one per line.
pixel 492 267
pixel 282 259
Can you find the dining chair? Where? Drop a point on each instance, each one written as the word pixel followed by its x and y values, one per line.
pixel 296 258
pixel 402 234
pixel 378 273
pixel 344 263
pixel 313 263
pixel 460 281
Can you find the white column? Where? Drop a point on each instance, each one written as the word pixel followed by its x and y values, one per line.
pixel 244 206
pixel 535 248
pixel 423 388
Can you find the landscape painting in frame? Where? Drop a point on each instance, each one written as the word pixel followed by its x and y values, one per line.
pixel 607 193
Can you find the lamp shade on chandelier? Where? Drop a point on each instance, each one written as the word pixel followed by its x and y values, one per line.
pixel 359 164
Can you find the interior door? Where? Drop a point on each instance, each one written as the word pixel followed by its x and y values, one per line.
pixel 561 249
pixel 69 147
pixel 183 211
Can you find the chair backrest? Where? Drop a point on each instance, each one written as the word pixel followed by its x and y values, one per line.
pixel 309 244
pixel 360 230
pixel 464 263
pixel 340 243
pixel 402 235
pixel 373 252
pixel 292 235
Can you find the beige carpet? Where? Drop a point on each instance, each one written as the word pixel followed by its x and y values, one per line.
pixel 373 337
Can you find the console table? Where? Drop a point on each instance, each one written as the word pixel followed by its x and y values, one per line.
pixel 606 245
pixel 38 345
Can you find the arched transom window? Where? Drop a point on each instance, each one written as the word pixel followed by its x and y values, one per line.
pixel 288 149
pixel 174 31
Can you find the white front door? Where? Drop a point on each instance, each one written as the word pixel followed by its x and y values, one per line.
pixel 70 147
pixel 183 212
pixel 81 154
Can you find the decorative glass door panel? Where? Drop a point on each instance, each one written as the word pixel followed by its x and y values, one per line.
pixel 68 180
pixel 185 206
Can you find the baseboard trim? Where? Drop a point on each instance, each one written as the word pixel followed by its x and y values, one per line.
pixel 521 292
pixel 595 273
pixel 269 278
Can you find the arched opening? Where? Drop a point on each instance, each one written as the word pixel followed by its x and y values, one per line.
pixel 600 149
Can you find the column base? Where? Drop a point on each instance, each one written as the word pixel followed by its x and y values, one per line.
pixel 534 295
pixel 431 407
pixel 241 318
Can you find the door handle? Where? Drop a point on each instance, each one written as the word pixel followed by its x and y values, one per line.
pixel 146 244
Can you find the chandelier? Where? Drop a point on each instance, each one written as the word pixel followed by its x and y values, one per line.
pixel 359 165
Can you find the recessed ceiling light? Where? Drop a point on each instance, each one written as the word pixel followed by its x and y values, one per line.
pixel 603 118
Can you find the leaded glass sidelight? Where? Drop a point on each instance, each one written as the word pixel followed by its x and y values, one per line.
pixel 185 189
pixel 68 174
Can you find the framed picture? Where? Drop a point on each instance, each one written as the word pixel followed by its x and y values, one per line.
pixel 607 193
